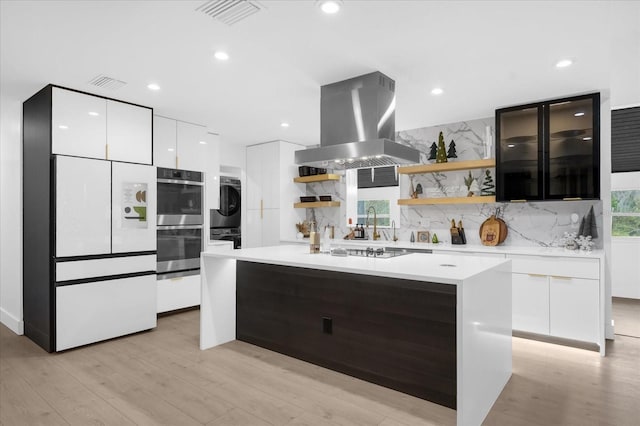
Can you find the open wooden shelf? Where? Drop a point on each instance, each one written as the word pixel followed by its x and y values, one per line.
pixel 448 167
pixel 447 200
pixel 316 178
pixel 316 204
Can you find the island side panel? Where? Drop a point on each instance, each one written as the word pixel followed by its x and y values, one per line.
pixel 484 342
pixel 397 333
pixel 218 301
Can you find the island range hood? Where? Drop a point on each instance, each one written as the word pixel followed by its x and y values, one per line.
pixel 357 126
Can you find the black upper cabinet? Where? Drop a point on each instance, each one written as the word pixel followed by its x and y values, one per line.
pixel 549 150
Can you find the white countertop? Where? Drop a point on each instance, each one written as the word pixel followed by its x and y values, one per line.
pixel 415 266
pixel 468 248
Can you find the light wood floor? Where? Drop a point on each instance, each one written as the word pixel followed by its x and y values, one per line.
pixel 161 377
pixel 626 314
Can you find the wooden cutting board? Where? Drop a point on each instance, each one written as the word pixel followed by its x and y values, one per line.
pixel 493 231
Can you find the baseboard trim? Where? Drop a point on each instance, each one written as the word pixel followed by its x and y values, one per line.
pixel 14 324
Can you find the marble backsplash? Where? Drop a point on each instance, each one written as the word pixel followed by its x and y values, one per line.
pixel 529 224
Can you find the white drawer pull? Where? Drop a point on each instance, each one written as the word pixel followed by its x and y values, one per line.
pixel 537 275
pixel 561 278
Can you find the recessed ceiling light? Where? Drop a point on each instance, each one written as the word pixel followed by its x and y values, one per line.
pixel 578 114
pixel 221 56
pixel 203 143
pixel 170 149
pixel 93 113
pixel 153 86
pixel 63 127
pixel 510 145
pixel 437 91
pixel 564 63
pixel 330 6
pixel 284 124
pixel 588 138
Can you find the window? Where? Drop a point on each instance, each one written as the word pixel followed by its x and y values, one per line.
pixel 383 212
pixel 625 209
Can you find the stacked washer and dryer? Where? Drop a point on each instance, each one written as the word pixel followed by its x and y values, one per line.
pixel 225 222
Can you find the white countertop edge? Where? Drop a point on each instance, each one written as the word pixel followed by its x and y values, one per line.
pixel 362 266
pixel 516 250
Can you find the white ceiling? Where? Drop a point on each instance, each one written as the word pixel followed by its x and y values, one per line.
pixel 483 54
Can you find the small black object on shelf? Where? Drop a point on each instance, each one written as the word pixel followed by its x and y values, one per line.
pixel 308 199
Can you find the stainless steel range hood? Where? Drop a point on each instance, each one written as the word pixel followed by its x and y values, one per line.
pixel 357 126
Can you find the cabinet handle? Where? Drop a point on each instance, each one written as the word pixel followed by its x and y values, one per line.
pixel 518 201
pixel 572 199
pixel 261 208
pixel 106 151
pixel 561 277
pixel 176 279
pixel 537 275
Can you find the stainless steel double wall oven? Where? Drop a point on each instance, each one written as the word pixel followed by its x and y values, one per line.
pixel 180 222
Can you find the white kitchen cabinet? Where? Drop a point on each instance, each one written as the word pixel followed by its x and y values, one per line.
pixel 572 308
pixel 164 142
pixel 255 176
pixel 78 124
pixel 530 303
pixel 83 206
pixel 574 304
pixel 178 293
pixel 212 172
pixel 271 194
pixel 191 147
pixel 93 127
pixel 133 208
pixel 186 146
pixel 129 129
pixel 90 312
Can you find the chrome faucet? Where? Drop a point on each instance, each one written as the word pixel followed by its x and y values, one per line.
pixel 393 225
pixel 376 235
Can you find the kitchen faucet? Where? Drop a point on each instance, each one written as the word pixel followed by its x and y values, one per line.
pixel 393 225
pixel 376 235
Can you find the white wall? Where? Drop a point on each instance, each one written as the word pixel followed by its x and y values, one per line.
pixel 11 213
pixel 625 251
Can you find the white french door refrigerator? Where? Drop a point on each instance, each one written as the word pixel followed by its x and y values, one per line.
pixel 105 250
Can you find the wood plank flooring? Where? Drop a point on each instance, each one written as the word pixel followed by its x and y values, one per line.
pixel 626 314
pixel 161 377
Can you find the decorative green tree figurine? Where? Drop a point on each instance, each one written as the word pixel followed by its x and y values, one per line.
pixel 432 152
pixel 434 239
pixel 452 150
pixel 441 155
pixel 488 187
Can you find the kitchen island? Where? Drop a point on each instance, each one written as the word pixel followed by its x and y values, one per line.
pixel 434 326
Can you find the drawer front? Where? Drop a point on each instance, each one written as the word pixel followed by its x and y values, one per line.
pixel 178 293
pixel 88 313
pixel 80 269
pixel 556 266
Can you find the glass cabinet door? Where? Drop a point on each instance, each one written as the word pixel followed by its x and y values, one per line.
pixel 519 153
pixel 573 149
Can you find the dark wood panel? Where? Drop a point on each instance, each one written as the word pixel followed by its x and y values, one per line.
pixel 397 333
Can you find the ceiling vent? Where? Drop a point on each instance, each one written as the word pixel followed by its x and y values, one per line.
pixel 230 11
pixel 104 82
